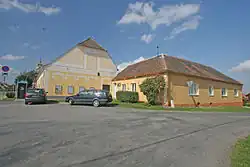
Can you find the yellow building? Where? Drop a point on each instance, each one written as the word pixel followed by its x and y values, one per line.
pixel 87 65
pixel 187 83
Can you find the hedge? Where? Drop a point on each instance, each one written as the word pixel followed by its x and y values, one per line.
pixel 10 95
pixel 126 96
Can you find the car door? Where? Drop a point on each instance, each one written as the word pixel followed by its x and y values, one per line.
pixel 90 96
pixel 82 98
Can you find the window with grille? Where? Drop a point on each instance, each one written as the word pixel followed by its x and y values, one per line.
pixel 58 89
pixel 224 92
pixel 70 89
pixel 236 92
pixel 211 91
pixel 123 87
pixel 133 87
pixel 193 89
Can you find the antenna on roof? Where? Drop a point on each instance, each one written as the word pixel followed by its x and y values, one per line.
pixel 157 50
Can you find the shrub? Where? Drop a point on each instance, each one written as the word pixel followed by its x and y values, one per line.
pixel 126 96
pixel 10 95
pixel 151 88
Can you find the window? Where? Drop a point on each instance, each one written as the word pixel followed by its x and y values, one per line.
pixel 81 88
pixel 236 92
pixel 211 91
pixel 133 87
pixel 224 92
pixel 83 93
pixel 123 87
pixel 193 89
pixel 70 89
pixel 91 92
pixel 58 89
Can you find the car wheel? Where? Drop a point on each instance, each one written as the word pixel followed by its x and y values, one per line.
pixel 26 103
pixel 96 103
pixel 71 101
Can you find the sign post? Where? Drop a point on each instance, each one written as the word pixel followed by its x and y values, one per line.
pixel 5 70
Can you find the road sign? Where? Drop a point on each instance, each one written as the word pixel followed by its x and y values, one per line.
pixel 5 69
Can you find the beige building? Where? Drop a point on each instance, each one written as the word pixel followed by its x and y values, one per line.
pixel 86 65
pixel 187 83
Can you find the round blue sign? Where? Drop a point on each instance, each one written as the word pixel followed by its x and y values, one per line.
pixel 5 68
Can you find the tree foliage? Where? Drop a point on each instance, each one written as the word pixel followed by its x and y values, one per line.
pixel 151 88
pixel 26 76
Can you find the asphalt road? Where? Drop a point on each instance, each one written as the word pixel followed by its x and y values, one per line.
pixel 78 136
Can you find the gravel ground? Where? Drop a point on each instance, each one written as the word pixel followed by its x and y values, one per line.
pixel 78 136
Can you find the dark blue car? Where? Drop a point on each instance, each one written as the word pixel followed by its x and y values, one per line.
pixel 94 97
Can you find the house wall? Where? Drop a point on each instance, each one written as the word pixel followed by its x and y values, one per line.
pixel 40 83
pixel 138 81
pixel 79 68
pixel 178 91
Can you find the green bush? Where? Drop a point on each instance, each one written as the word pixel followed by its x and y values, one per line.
pixel 10 95
pixel 128 97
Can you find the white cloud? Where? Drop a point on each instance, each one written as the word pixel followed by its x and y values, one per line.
pixel 191 24
pixel 28 45
pixel 147 38
pixel 242 67
pixel 28 8
pixel 123 65
pixel 166 15
pixel 11 57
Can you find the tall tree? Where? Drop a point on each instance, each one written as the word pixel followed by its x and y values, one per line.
pixel 26 76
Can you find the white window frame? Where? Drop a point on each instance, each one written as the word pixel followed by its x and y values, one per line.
pixel 237 93
pixel 224 95
pixel 124 87
pixel 212 91
pixel 193 89
pixel 133 87
pixel 70 86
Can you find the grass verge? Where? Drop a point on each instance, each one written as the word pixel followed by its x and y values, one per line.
pixel 241 153
pixel 8 99
pixel 200 109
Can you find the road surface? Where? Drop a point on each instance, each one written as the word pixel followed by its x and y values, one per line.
pixel 78 136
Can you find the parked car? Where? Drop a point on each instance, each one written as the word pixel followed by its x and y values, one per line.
pixel 68 97
pixel 94 97
pixel 35 95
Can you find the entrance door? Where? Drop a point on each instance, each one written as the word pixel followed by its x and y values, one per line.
pixel 106 87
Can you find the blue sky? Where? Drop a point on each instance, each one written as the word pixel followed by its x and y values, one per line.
pixel 212 32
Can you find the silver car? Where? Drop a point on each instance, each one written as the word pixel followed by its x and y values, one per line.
pixel 36 96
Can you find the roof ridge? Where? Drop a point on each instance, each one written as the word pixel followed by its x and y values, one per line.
pixel 143 60
pixel 189 61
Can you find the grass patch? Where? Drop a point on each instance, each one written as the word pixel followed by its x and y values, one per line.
pixel 201 109
pixel 241 153
pixel 8 99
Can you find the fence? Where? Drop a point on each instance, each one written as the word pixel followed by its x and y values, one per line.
pixel 3 94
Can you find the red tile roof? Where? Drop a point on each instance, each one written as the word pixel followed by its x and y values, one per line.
pixel 163 63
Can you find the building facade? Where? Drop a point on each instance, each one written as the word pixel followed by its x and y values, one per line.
pixel 187 83
pixel 87 65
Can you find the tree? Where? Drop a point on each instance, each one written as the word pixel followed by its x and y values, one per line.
pixel 151 88
pixel 26 76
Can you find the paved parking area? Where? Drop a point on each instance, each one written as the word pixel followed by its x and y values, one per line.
pixel 78 136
